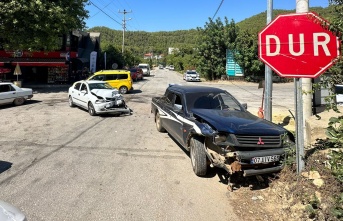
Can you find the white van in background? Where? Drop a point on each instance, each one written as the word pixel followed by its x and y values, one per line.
pixel 145 68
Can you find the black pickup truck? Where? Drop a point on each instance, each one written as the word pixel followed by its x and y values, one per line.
pixel 219 131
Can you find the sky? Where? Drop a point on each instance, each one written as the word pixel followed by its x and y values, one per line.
pixel 172 15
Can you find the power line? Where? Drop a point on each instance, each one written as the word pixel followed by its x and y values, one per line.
pixel 105 13
pixel 218 9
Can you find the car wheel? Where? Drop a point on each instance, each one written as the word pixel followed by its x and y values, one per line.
pixel 91 109
pixel 159 126
pixel 123 90
pixel 19 101
pixel 71 103
pixel 198 157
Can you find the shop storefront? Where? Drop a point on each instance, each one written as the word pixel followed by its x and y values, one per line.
pixel 64 66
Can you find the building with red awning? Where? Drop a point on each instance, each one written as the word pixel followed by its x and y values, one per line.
pixel 62 66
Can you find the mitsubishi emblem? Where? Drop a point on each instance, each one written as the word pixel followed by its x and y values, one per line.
pixel 260 142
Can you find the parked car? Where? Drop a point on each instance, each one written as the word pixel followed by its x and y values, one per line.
pixel 160 66
pixel 98 97
pixel 120 79
pixel 136 74
pixel 8 212
pixel 218 130
pixel 171 67
pixel 191 75
pixel 12 94
pixel 145 68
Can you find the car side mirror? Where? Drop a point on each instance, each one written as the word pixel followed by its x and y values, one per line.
pixel 245 105
pixel 83 91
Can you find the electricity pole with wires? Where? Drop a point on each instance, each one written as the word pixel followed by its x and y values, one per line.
pixel 124 27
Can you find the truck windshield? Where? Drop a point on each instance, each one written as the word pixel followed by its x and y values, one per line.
pixel 219 101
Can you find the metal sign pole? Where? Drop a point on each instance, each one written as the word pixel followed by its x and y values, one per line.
pixel 299 126
pixel 268 74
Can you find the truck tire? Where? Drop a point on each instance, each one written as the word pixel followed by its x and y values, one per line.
pixel 159 126
pixel 198 156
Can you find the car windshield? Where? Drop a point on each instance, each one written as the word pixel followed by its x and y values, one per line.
pixel 142 66
pixel 191 72
pixel 219 101
pixel 100 86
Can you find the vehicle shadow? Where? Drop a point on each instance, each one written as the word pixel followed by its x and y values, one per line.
pixel 4 165
pixel 49 89
pixel 138 91
pixel 237 180
pixel 27 102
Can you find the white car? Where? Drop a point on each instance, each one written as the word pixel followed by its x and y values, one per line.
pixel 12 94
pixel 8 212
pixel 191 75
pixel 145 68
pixel 98 97
pixel 171 67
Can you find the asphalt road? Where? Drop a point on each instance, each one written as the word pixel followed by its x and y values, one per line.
pixel 59 163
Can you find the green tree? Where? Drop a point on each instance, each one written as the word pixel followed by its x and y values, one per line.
pixel 36 24
pixel 246 54
pixel 215 39
pixel 334 75
pixel 113 55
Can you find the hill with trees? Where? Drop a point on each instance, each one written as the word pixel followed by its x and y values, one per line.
pixel 141 42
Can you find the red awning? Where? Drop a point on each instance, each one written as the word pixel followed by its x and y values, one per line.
pixel 50 64
pixel 47 62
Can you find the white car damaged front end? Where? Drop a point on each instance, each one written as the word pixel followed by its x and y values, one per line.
pixel 109 101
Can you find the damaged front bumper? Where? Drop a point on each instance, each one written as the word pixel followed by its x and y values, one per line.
pixel 111 108
pixel 251 167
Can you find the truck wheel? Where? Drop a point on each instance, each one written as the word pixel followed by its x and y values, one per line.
pixel 159 126
pixel 198 157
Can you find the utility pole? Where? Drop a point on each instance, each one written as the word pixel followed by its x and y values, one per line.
pixel 124 27
pixel 302 103
pixel 306 83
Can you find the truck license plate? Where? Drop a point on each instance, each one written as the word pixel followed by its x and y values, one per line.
pixel 266 159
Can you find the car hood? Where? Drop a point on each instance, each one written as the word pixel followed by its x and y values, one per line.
pixel 106 93
pixel 238 122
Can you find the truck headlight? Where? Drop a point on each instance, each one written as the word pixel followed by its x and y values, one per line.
pixel 206 129
pixel 288 139
pixel 223 139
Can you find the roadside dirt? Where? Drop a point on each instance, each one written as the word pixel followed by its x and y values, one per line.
pixel 288 196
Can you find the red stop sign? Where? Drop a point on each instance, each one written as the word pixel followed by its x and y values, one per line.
pixel 298 45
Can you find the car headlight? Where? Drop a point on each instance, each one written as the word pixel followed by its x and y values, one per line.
pixel 100 101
